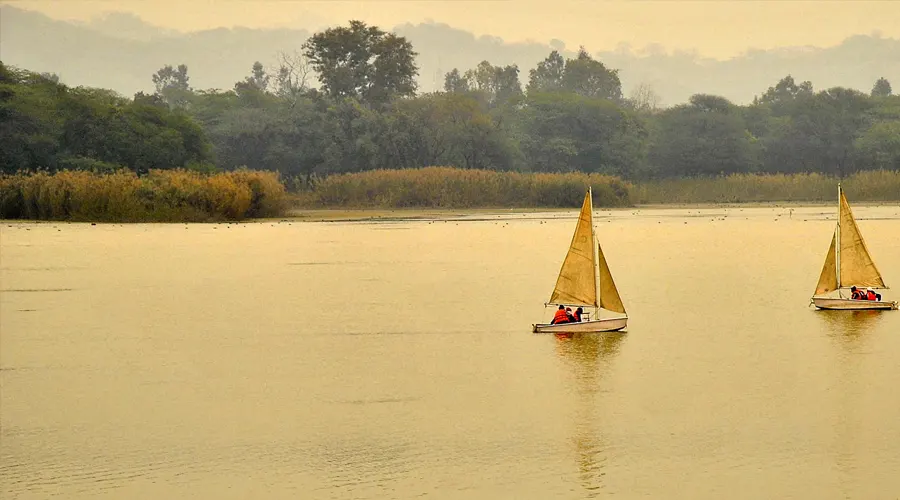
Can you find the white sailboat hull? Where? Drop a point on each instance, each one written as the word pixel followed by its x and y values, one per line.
pixel 851 305
pixel 593 326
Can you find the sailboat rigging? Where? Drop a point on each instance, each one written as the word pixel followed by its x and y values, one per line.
pixel 586 281
pixel 848 264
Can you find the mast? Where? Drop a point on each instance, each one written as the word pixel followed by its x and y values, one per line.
pixel 837 241
pixel 595 241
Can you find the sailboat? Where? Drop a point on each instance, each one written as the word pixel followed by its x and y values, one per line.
pixel 848 264
pixel 585 281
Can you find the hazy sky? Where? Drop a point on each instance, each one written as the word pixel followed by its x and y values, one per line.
pixel 715 28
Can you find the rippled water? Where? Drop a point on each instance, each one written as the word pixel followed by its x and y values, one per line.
pixel 396 360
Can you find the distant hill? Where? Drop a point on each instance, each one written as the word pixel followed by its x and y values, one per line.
pixel 121 52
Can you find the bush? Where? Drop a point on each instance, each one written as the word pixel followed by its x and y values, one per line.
pixel 742 188
pixel 444 187
pixel 122 196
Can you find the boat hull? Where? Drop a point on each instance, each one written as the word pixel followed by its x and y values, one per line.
pixel 852 305
pixel 593 326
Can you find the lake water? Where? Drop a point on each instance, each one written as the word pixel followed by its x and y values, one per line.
pixel 395 360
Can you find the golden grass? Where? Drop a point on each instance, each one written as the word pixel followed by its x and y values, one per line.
pixel 160 196
pixel 184 195
pixel 879 185
pixel 445 187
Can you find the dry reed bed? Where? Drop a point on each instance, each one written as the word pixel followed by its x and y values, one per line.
pixel 445 187
pixel 879 185
pixel 160 196
pixel 181 195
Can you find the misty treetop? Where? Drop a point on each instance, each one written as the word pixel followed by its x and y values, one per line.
pixel 363 62
pixel 365 114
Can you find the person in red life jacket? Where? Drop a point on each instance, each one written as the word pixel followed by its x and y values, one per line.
pixel 577 314
pixel 560 316
pixel 857 294
pixel 871 295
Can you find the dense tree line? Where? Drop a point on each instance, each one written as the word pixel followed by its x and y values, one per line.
pixel 46 125
pixel 365 113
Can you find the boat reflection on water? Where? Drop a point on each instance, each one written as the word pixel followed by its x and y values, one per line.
pixel 850 327
pixel 851 333
pixel 587 358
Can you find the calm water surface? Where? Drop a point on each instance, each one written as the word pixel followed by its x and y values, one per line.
pixel 396 360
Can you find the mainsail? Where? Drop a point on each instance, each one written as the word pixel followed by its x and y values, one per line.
pixel 609 295
pixel 828 278
pixel 576 284
pixel 857 267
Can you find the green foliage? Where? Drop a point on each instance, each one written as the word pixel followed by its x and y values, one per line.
pixel 47 125
pixel 818 134
pixel 454 82
pixel 566 131
pixel 88 165
pixel 882 88
pixel 172 85
pixel 879 146
pixel 706 138
pixel 363 62
pixel 493 85
pixel 590 78
pixel 785 92
pixel 548 75
pixel 583 75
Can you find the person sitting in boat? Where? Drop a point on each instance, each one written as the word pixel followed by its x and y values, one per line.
pixel 871 295
pixel 560 316
pixel 569 315
pixel 577 314
pixel 857 294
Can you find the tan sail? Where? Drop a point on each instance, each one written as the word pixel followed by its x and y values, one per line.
pixel 576 285
pixel 609 294
pixel 828 278
pixel 857 267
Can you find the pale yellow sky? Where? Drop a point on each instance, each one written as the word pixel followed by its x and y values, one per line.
pixel 714 28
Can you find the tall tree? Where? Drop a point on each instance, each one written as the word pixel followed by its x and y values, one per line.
pixel 363 62
pixel 253 90
pixel 644 99
pixel 590 78
pixel 784 92
pixel 455 82
pixel 882 88
pixel 291 77
pixel 498 85
pixel 173 85
pixel 548 75
pixel 258 77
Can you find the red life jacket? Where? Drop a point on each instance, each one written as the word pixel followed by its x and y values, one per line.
pixel 870 295
pixel 857 295
pixel 577 316
pixel 560 317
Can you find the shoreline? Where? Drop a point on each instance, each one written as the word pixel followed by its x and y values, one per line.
pixel 398 214
pixel 471 214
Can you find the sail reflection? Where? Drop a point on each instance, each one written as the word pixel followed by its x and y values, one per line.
pixel 850 331
pixel 587 358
